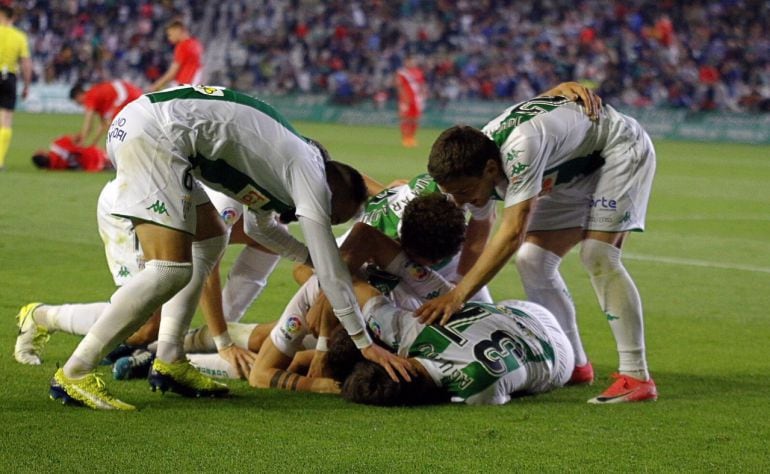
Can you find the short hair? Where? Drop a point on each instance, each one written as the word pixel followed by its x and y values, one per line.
pixel 432 227
pixel 77 89
pixel 7 11
pixel 176 24
pixel 370 384
pixel 342 355
pixel 461 151
pixel 345 182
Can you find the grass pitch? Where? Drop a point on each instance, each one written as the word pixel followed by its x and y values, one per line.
pixel 702 267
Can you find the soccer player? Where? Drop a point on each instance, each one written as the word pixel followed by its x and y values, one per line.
pixel 14 52
pixel 410 84
pixel 565 180
pixel 483 355
pixel 385 210
pixel 66 154
pixel 162 144
pixel 408 282
pixel 187 67
pixel 102 102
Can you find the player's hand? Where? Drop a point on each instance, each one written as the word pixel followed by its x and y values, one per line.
pixel 317 365
pixel 393 364
pixel 580 93
pixel 241 359
pixel 443 307
pixel 25 92
pixel 326 385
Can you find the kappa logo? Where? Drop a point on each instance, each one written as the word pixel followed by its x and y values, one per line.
pixel 626 217
pixel 123 272
pixel 512 155
pixel 158 207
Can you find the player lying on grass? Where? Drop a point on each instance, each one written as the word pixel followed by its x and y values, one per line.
pixel 485 354
pixel 408 282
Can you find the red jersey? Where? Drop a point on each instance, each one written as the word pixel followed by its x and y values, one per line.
pixel 411 90
pixel 188 54
pixel 65 154
pixel 108 98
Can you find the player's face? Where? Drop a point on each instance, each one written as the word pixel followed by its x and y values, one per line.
pixel 475 190
pixel 173 35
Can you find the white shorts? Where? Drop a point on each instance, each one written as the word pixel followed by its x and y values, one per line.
pixel 612 199
pixel 288 334
pixel 153 178
pixel 124 255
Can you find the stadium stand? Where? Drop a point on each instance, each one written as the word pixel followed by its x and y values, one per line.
pixel 697 55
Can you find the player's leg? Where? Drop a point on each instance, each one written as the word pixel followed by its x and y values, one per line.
pixel 248 275
pixel 619 205
pixel 170 369
pixel 538 261
pixel 7 104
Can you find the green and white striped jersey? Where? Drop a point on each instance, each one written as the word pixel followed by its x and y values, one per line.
pixel 484 354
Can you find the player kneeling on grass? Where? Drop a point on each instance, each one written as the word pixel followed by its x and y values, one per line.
pixel 485 354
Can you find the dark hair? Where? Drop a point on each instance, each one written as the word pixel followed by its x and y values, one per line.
pixel 461 151
pixel 41 160
pixel 7 11
pixel 324 152
pixel 345 183
pixel 370 384
pixel 78 88
pixel 432 227
pixel 342 355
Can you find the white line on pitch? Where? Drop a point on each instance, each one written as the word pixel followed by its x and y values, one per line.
pixel 696 263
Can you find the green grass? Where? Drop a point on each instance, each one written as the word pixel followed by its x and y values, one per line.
pixel 703 268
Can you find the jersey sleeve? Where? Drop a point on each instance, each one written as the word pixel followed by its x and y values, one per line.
pixel 524 160
pixel 290 330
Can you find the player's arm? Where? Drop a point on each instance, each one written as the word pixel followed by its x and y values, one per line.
pixel 104 125
pixel 579 93
pixel 500 249
pixel 26 74
pixel 85 129
pixel 270 370
pixel 476 237
pixel 373 187
pixel 165 78
pixel 336 283
pixel 211 305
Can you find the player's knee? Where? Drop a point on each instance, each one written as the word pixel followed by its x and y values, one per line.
pixel 535 263
pixel 169 277
pixel 599 257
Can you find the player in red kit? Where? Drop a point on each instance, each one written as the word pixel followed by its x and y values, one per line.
pixel 410 83
pixel 187 67
pixel 104 100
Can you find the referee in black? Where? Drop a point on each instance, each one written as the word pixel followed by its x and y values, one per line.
pixel 14 53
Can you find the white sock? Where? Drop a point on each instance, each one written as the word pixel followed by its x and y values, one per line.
pixel 70 318
pixel 539 272
pixel 130 306
pixel 620 301
pixel 178 311
pixel 213 365
pixel 200 340
pixel 246 280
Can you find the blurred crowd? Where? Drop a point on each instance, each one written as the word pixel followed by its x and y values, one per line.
pixel 697 55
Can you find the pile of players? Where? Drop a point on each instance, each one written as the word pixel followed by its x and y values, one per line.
pixel 399 313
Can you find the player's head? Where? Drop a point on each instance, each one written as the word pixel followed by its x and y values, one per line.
pixel 370 384
pixel 40 159
pixel 466 164
pixel 6 12
pixel 77 92
pixel 432 229
pixel 176 31
pixel 342 355
pixel 348 190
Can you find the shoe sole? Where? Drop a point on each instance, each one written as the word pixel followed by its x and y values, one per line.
pixel 625 398
pixel 57 393
pixel 165 383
